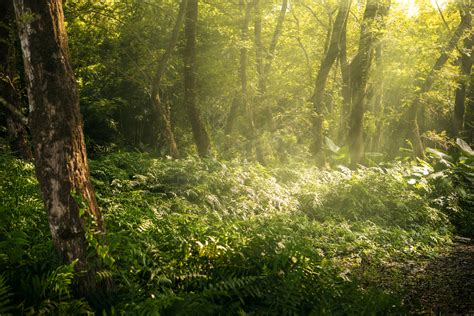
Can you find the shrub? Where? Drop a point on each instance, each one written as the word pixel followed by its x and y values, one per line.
pixel 208 237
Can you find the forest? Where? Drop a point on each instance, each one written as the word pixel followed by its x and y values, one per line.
pixel 236 157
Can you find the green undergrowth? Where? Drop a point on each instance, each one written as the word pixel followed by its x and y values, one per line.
pixel 191 237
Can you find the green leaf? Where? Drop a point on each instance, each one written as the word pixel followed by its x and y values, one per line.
pixel 332 147
pixel 464 147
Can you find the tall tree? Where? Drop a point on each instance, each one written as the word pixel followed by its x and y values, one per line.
pixel 465 65
pixel 16 122
pixel 345 86
pixel 56 127
pixel 425 86
pixel 163 115
pixel 245 9
pixel 261 86
pixel 469 123
pixel 376 98
pixel 327 62
pixel 263 64
pixel 201 137
pixel 272 48
pixel 360 69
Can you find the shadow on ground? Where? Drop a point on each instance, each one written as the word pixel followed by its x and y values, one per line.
pixel 446 286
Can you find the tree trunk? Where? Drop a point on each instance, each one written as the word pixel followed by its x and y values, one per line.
pixel 465 72
pixel 162 115
pixel 378 107
pixel 56 126
pixel 16 127
pixel 412 114
pixel 234 109
pixel 261 84
pixel 164 119
pixel 360 69
pixel 276 36
pixel 346 87
pixel 267 65
pixel 244 37
pixel 264 63
pixel 469 122
pixel 322 76
pixel 301 45
pixel 200 134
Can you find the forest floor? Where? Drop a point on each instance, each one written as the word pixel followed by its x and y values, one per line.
pixel 446 286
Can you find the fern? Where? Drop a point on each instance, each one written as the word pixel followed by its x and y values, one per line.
pixel 5 294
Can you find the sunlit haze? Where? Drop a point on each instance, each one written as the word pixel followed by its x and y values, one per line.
pixel 411 7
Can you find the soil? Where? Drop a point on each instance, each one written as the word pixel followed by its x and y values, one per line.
pixel 446 284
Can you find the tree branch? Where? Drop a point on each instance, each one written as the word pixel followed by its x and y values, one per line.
pixel 171 44
pixel 16 112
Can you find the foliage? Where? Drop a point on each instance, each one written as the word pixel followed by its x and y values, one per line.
pixel 4 297
pixel 115 48
pixel 207 237
pixel 453 178
pixel 39 283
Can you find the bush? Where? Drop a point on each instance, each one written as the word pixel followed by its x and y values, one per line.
pixel 452 179
pixel 207 237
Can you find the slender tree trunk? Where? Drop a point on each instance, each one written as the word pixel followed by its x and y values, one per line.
pixel 360 69
pixel 264 63
pixel 245 9
pixel 322 76
pixel 413 111
pixel 378 106
pixel 164 119
pixel 200 134
pixel 346 87
pixel 469 122
pixel 273 44
pixel 261 85
pixel 234 109
pixel 269 56
pixel 16 127
pixel 465 72
pixel 56 126
pixel 301 45
pixel 162 115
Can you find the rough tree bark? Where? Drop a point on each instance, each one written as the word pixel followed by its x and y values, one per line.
pixel 425 86
pixel 319 109
pixel 360 69
pixel 465 64
pixel 16 122
pixel 56 127
pixel 163 116
pixel 201 136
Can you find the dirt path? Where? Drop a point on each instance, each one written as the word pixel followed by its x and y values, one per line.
pixel 447 284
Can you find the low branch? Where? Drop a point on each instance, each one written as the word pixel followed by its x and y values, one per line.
pixel 16 112
pixel 171 45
